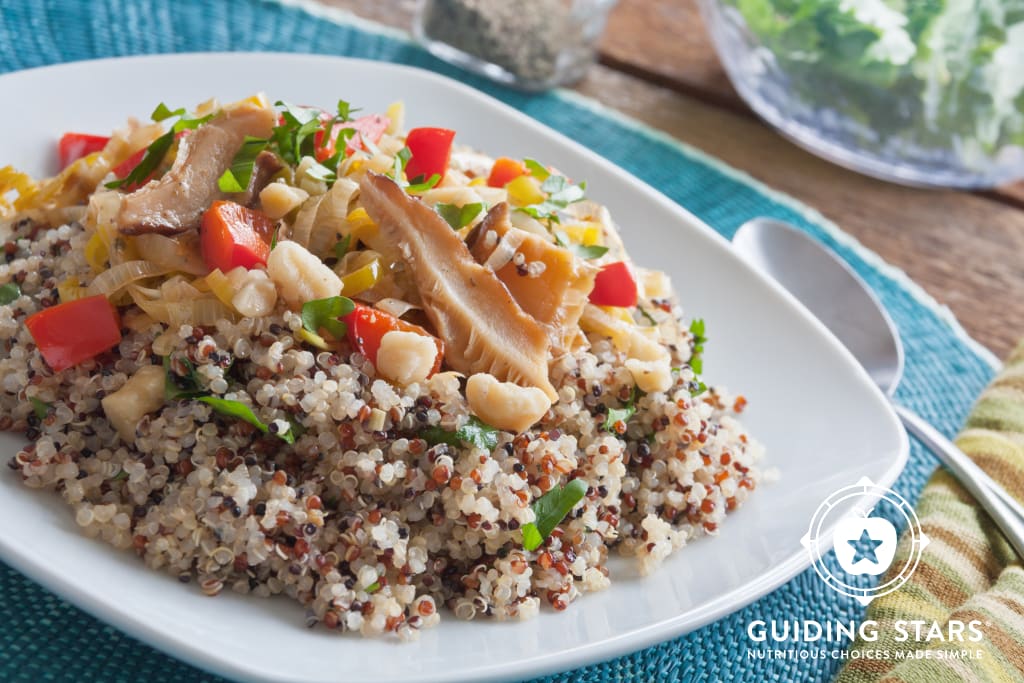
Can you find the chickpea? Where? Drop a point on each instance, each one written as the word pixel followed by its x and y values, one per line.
pixel 406 357
pixel 505 405
pixel 650 375
pixel 256 295
pixel 300 276
pixel 278 200
pixel 142 394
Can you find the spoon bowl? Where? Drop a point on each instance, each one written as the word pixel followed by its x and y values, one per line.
pixel 844 303
pixel 831 290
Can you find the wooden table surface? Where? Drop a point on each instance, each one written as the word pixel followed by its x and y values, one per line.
pixel 657 65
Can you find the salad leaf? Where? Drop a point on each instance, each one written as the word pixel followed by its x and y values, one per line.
pixel 158 149
pixel 324 313
pixel 243 412
pixel 459 216
pixel 176 386
pixel 550 509
pixel 9 293
pixel 624 413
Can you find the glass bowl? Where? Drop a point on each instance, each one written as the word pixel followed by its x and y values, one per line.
pixel 532 45
pixel 932 95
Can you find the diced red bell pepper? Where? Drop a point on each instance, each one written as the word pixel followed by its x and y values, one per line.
pixel 504 171
pixel 75 331
pixel 74 146
pixel 368 128
pixel 431 152
pixel 614 286
pixel 232 235
pixel 367 326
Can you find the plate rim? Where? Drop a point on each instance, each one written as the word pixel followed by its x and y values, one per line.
pixel 537 665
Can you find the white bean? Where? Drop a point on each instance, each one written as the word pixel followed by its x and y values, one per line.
pixel 505 405
pixel 406 357
pixel 300 276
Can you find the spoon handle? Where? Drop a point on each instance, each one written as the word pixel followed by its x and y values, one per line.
pixel 1006 511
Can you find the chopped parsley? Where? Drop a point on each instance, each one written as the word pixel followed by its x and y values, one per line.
pixel 459 216
pixel 9 293
pixel 560 194
pixel 475 432
pixel 587 252
pixel 550 509
pixel 342 246
pixel 158 149
pixel 536 169
pixel 39 407
pixel 624 413
pixel 236 178
pixel 419 185
pixel 697 330
pixel 325 313
pixel 241 411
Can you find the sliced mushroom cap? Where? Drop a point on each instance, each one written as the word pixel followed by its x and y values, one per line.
pixel 556 295
pixel 175 203
pixel 482 326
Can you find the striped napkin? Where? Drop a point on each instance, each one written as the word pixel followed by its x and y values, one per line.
pixel 967 573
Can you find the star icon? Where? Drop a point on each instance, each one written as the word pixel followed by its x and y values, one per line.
pixel 864 547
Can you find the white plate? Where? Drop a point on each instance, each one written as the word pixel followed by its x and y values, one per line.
pixel 824 423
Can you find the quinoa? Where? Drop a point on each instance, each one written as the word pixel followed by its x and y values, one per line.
pixel 366 523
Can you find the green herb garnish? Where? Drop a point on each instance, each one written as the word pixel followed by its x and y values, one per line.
pixel 342 246
pixel 419 185
pixel 697 330
pixel 239 410
pixel 560 194
pixel 39 407
pixel 345 111
pixel 475 432
pixel 324 313
pixel 295 137
pixel 373 587
pixel 624 413
pixel 536 169
pixel 550 509
pixel 647 316
pixel 459 216
pixel 158 149
pixel 401 160
pixel 9 293
pixel 176 386
pixel 583 251
pixel 237 177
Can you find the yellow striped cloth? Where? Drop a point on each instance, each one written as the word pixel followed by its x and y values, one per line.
pixel 968 572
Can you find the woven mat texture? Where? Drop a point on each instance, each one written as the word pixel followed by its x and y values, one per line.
pixel 43 638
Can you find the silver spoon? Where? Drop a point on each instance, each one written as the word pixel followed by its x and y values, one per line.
pixel 841 300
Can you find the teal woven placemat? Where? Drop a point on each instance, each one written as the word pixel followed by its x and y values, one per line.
pixel 43 638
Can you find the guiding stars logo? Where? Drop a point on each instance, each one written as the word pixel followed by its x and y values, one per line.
pixel 864 542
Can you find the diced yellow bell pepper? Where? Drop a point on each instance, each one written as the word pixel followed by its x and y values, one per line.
pixel 524 191
pixel 360 224
pixel 396 117
pixel 478 181
pixel 361 279
pixel 221 287
pixel 96 253
pixel 587 233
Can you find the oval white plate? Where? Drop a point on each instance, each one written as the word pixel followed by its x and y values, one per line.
pixel 824 424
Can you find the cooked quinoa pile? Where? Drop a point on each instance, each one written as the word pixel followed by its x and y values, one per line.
pixel 372 501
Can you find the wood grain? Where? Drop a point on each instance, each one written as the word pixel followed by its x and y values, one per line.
pixel 966 250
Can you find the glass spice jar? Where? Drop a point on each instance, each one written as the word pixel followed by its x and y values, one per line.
pixel 529 44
